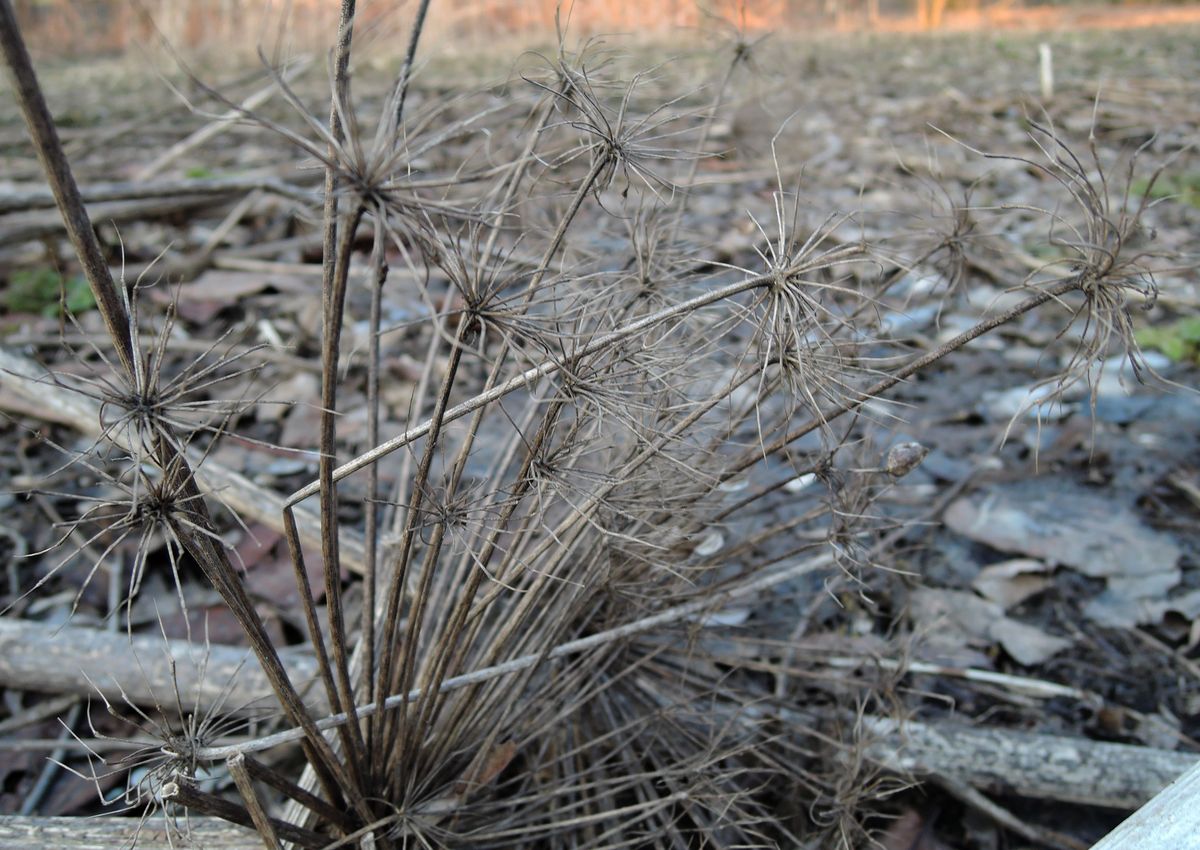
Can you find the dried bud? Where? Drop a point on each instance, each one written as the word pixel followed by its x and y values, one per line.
pixel 904 458
pixel 712 543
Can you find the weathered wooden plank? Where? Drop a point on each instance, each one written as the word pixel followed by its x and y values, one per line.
pixel 1171 821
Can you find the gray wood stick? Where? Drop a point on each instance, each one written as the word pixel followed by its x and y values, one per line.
pixel 1051 767
pixel 19 833
pixel 78 660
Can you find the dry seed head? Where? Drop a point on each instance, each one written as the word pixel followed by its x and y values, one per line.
pixel 142 508
pixel 163 401
pixel 618 142
pixel 904 458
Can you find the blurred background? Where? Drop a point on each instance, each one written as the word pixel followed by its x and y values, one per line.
pixel 71 28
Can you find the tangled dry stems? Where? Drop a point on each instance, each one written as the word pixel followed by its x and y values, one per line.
pixel 534 661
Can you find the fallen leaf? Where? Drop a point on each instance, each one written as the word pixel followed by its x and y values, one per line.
pixel 480 774
pixel 1063 523
pixel 214 290
pixel 1010 583
pixel 1026 644
pixel 956 617
pixel 910 831
pixel 1122 610
pixel 232 285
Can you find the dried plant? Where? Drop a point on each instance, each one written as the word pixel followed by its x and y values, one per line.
pixel 536 660
pixel 165 745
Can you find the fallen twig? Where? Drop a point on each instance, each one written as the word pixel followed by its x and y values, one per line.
pixel 18 833
pixel 83 661
pixel 41 225
pixel 1051 767
pixel 40 198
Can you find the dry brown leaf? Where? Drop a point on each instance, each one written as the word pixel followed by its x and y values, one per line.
pixel 482 773
pixel 910 831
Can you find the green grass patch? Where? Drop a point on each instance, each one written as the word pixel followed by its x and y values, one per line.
pixel 1180 340
pixel 43 291
pixel 1184 188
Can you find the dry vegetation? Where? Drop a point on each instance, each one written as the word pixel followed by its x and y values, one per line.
pixel 559 407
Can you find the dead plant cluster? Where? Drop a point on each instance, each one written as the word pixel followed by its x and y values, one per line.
pixel 620 446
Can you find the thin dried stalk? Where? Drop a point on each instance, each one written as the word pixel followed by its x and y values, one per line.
pixel 211 557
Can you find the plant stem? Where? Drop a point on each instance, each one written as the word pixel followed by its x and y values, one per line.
pixel 198 540
pixel 379 273
pixel 711 602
